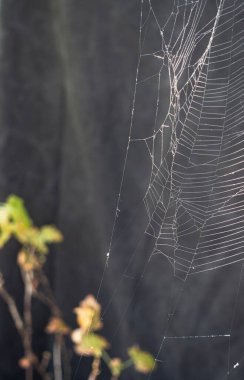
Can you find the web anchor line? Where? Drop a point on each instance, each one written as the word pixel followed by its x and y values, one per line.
pixel 212 336
pixel 126 158
pixel 194 200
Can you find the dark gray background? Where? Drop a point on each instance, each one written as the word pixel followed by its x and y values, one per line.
pixel 67 80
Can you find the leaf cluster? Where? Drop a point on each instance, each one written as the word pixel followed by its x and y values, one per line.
pixel 16 222
pixel 89 343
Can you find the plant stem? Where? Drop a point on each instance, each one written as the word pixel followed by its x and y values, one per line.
pixel 95 369
pixel 127 364
pixel 66 355
pixel 41 369
pixel 58 340
pixel 46 356
pixel 60 349
pixel 49 302
pixel 45 283
pixel 106 358
pixel 57 356
pixel 28 323
pixel 19 324
pixel 20 327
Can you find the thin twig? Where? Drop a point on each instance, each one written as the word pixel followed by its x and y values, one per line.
pixel 45 283
pixel 49 302
pixel 41 367
pixel 20 327
pixel 59 346
pixel 66 355
pixel 19 324
pixel 58 340
pixel 46 356
pixel 28 322
pixel 95 369
pixel 57 356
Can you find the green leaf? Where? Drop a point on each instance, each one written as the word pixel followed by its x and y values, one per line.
pixel 91 345
pixel 41 237
pixel 4 214
pixel 17 210
pixel 5 235
pixel 15 220
pixel 116 366
pixel 50 234
pixel 30 236
pixel 142 360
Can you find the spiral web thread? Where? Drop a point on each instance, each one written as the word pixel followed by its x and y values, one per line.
pixel 195 198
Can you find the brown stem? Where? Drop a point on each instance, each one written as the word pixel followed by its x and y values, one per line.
pixel 19 324
pixel 46 356
pixel 57 356
pixel 45 283
pixel 58 339
pixel 95 369
pixel 114 378
pixel 28 323
pixel 41 367
pixel 49 302
pixel 59 345
pixel 66 355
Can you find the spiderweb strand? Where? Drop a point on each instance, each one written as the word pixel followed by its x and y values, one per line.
pixel 126 158
pixel 195 197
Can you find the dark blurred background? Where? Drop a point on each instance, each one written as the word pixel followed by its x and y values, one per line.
pixel 67 82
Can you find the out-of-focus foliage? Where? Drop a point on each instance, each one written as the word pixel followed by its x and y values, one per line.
pixel 142 360
pixel 116 366
pixel 16 222
pixel 87 343
pixel 57 325
pixel 25 362
pixel 89 314
pixel 29 261
pixel 90 344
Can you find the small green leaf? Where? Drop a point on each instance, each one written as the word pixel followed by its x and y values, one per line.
pixel 142 360
pixel 31 236
pixel 5 235
pixel 4 214
pixel 17 210
pixel 15 221
pixel 39 238
pixel 50 234
pixel 116 366
pixel 89 314
pixel 91 345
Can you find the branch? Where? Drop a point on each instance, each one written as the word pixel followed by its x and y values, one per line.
pixel 47 301
pixel 41 368
pixel 19 324
pixel 44 281
pixel 20 327
pixel 28 322
pixel 95 369
pixel 57 357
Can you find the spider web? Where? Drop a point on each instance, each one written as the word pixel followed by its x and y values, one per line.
pixel 194 198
